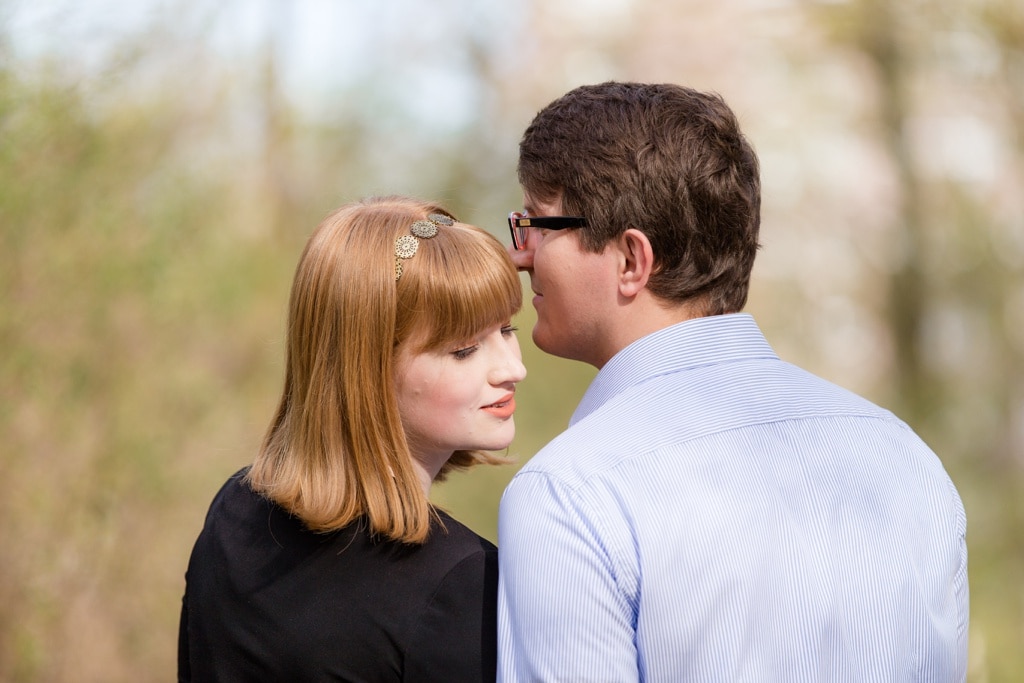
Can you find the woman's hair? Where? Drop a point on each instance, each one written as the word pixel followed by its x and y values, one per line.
pixel 336 450
pixel 667 160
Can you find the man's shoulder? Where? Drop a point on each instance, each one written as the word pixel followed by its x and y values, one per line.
pixel 686 407
pixel 584 450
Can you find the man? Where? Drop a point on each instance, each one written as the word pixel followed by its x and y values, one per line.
pixel 712 513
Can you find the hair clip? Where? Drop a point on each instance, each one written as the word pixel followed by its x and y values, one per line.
pixel 406 245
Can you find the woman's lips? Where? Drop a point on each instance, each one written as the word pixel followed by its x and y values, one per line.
pixel 503 408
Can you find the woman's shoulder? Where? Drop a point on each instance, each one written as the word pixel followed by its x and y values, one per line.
pixel 236 491
pixel 448 531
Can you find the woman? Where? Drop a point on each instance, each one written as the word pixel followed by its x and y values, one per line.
pixel 325 560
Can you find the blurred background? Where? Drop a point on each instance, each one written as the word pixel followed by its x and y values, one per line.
pixel 163 161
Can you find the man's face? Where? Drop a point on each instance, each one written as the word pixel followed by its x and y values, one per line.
pixel 572 288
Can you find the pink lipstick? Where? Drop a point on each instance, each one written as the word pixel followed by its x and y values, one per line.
pixel 503 408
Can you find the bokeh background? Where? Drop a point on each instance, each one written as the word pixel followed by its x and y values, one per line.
pixel 163 161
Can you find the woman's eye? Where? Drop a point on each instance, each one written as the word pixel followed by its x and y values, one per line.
pixel 464 353
pixel 508 330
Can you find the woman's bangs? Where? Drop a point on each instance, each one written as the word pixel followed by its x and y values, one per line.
pixel 471 288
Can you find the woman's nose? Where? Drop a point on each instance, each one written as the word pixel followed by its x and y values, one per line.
pixel 509 368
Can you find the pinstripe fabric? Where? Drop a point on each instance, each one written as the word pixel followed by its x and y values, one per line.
pixel 715 514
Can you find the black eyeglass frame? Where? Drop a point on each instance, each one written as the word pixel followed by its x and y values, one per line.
pixel 518 224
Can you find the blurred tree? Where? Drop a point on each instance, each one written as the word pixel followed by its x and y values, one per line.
pixel 944 109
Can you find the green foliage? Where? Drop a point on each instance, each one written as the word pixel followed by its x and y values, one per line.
pixel 128 327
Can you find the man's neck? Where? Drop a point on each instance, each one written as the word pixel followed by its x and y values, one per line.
pixel 641 316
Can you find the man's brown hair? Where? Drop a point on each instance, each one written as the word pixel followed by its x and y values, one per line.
pixel 664 159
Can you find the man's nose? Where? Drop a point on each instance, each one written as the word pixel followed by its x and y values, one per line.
pixel 522 258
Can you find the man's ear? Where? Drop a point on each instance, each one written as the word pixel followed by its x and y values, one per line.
pixel 636 262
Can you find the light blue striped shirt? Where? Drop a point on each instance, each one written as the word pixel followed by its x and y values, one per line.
pixel 716 514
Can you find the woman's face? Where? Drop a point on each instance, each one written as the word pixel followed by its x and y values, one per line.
pixel 459 398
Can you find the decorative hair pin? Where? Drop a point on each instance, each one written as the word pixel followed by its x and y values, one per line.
pixel 406 245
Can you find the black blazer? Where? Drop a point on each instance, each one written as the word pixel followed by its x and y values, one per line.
pixel 268 600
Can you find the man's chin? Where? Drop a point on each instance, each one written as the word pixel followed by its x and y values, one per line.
pixel 543 341
pixel 540 338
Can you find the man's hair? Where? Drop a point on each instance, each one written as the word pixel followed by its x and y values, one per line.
pixel 336 449
pixel 664 159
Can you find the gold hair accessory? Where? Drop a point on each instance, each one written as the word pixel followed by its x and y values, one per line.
pixel 406 245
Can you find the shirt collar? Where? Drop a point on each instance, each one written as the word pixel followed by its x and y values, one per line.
pixel 689 344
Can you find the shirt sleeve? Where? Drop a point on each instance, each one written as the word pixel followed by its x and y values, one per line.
pixel 456 637
pixel 962 589
pixel 563 615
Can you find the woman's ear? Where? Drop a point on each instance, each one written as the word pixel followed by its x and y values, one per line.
pixel 636 262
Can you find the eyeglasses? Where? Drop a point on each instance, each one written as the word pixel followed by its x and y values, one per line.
pixel 519 225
